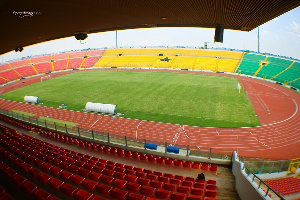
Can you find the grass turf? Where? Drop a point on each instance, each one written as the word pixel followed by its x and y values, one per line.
pixel 59 123
pixel 23 113
pixel 177 98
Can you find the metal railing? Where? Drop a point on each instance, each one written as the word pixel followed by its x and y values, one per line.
pixel 264 166
pixel 261 183
pixel 208 153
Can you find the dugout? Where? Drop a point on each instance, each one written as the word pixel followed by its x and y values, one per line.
pixel 100 107
pixel 31 99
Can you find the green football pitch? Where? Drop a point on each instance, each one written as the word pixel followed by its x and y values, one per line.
pixel 177 98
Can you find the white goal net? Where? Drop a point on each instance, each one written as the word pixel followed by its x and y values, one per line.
pixel 43 78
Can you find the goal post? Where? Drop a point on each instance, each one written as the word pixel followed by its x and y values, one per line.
pixel 43 78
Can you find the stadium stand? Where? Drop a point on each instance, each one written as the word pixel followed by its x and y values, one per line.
pixel 290 75
pixel 285 186
pixel 26 71
pixel 51 164
pixel 104 61
pixel 171 58
pixel 3 80
pixel 60 65
pixel 43 68
pixel 4 67
pixel 20 63
pixel 74 63
pixel 184 62
pixel 61 56
pixel 164 62
pixel 274 67
pixel 77 54
pixel 90 62
pixel 93 53
pixel 250 64
pixel 10 75
pixel 41 59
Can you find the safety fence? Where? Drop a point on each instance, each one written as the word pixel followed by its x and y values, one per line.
pixel 263 166
pixel 158 146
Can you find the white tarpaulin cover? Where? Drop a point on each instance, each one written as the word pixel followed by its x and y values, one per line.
pixel 100 107
pixel 31 99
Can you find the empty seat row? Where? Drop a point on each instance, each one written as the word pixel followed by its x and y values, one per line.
pixel 66 175
pixel 116 192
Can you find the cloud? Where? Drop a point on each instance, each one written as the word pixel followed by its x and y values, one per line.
pixel 295 29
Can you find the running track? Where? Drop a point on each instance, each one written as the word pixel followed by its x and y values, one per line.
pixel 276 107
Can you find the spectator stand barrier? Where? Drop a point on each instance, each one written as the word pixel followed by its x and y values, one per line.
pixel 208 155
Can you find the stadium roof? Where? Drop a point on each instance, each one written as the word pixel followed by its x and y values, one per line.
pixel 29 22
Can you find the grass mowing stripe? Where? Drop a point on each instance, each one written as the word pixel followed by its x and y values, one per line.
pixel 178 98
pixel 58 122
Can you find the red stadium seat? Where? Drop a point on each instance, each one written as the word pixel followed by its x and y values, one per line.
pixel 29 187
pixel 175 181
pixel 94 176
pixel 144 181
pixel 187 183
pixel 118 194
pixel 134 187
pixel 55 170
pixel 83 172
pixel 194 197
pixel 131 178
pixel 44 178
pixel 178 196
pixel 119 175
pixel 133 196
pixel 184 189
pixel 170 187
pixel 106 179
pixel 146 190
pixel 197 191
pixel 77 179
pixel 68 189
pixel 103 189
pixel 108 172
pixel 83 195
pixel 164 179
pixel 163 194
pixel 169 175
pixel 89 184
pixel 119 183
pixel 65 175
pixel 211 193
pixel 18 179
pixel 199 185
pixel 152 177
pixel 98 198
pixel 41 194
pixel 157 184
pixel 55 183
pixel 179 177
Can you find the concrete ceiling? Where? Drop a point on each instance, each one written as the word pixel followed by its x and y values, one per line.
pixel 27 22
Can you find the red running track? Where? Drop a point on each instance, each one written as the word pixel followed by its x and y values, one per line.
pixel 276 107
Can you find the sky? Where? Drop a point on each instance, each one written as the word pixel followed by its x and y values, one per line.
pixel 280 36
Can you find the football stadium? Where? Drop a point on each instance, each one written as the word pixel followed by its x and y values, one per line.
pixel 142 123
